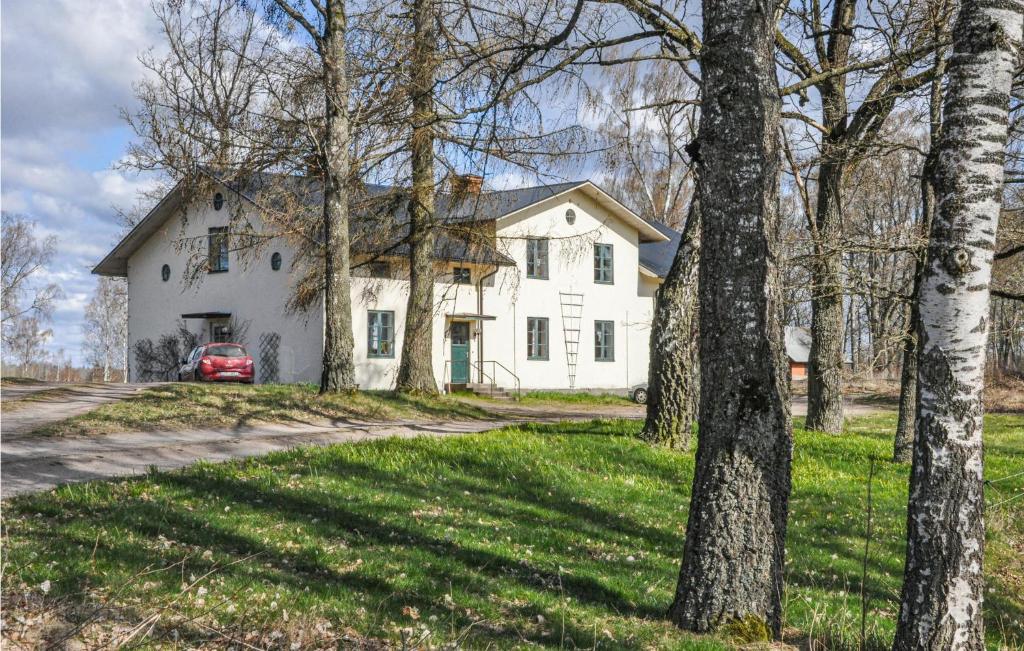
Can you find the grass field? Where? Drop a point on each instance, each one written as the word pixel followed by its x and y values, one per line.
pixel 186 405
pixel 541 397
pixel 564 536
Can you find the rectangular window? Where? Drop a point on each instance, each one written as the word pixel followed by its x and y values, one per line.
pixel 603 264
pixel 536 338
pixel 604 341
pixel 218 240
pixel 379 269
pixel 381 335
pixel 220 332
pixel 461 276
pixel 537 258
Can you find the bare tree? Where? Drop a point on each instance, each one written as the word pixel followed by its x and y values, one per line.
pixel 416 368
pixel 648 113
pixel 735 535
pixel 328 33
pixel 943 585
pixel 235 102
pixel 105 327
pixel 23 257
pixel 24 343
pixel 827 61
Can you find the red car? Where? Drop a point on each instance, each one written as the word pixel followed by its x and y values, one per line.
pixel 218 363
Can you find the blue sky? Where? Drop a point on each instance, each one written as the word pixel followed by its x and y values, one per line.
pixel 67 69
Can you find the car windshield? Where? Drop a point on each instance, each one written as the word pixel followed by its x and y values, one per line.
pixel 225 351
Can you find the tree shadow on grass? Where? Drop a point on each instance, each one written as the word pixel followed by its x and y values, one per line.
pixel 471 571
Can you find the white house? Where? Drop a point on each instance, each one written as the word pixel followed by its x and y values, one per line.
pixel 562 299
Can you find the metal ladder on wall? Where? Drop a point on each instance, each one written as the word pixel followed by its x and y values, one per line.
pixel 572 317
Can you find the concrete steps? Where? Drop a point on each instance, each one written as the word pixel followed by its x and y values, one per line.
pixel 482 390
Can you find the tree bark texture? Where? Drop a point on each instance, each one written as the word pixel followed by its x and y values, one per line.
pixel 673 387
pixel 338 367
pixel 825 363
pixel 416 370
pixel 732 567
pixel 943 585
pixel 903 445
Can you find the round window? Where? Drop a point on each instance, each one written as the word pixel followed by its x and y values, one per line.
pixel 165 272
pixel 570 216
pixel 275 261
pixel 218 201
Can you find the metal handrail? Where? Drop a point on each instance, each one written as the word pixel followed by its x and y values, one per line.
pixel 495 363
pixel 445 377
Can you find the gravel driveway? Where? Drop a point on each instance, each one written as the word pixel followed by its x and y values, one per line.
pixel 31 464
pixel 25 408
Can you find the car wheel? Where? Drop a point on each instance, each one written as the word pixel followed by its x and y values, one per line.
pixel 640 396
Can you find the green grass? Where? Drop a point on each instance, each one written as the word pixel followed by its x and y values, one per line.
pixel 564 535
pixel 192 405
pixel 540 397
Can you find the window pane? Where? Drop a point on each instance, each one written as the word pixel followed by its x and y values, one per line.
pixel 604 340
pixel 381 334
pixel 603 263
pixel 218 249
pixel 537 338
pixel 537 258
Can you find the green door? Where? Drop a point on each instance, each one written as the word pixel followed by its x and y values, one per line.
pixel 460 353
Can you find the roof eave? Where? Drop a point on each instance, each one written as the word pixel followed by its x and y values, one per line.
pixel 115 263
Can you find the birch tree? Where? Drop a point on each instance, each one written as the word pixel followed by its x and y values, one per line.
pixel 732 565
pixel 904 442
pixel 943 585
pixel 22 259
pixel 105 327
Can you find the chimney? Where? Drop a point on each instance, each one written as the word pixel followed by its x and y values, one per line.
pixel 466 184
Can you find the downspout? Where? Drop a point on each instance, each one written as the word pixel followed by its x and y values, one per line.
pixel 480 312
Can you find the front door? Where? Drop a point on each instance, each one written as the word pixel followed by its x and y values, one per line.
pixel 460 353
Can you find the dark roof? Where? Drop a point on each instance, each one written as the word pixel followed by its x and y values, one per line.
pixel 658 256
pixel 379 219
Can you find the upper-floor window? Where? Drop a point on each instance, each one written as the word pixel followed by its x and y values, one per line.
pixel 379 269
pixel 275 261
pixel 536 338
pixel 603 270
pixel 218 201
pixel 537 258
pixel 461 276
pixel 218 240
pixel 604 341
pixel 380 334
pixel 165 272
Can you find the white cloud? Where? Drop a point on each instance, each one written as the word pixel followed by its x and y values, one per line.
pixel 67 68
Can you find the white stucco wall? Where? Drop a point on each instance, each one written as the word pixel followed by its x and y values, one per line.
pixel 254 293
pixel 627 302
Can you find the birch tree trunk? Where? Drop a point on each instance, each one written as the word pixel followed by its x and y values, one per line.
pixel 942 584
pixel 732 565
pixel 903 445
pixel 415 370
pixel 673 387
pixel 338 367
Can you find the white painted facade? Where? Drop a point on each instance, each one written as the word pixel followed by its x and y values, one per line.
pixel 256 296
